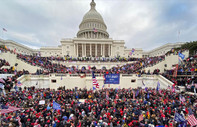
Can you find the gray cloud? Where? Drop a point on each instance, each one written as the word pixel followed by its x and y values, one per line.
pixel 142 24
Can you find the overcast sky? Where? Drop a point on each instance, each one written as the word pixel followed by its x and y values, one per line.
pixel 144 24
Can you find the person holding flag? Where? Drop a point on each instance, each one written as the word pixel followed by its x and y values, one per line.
pixel 94 80
pixel 56 106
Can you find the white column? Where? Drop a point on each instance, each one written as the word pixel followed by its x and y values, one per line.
pixel 85 49
pixel 77 50
pixel 74 50
pixel 108 49
pixel 90 49
pixel 96 50
pixel 104 50
pixel 101 49
pixel 111 50
pixel 82 49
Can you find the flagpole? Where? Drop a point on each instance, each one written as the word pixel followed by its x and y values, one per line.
pixel 179 35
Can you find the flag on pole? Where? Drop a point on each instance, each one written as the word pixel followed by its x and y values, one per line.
pixel 2 81
pixel 19 83
pixel 56 106
pixel 95 30
pixel 133 94
pixel 93 88
pixel 103 86
pixel 19 120
pixel 182 99
pixel 181 57
pixel 4 30
pixel 178 117
pixel 94 80
pixel 132 51
pixel 175 71
pixel 1 86
pixel 158 87
pixel 192 120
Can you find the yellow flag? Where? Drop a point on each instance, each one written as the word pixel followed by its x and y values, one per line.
pixel 13 68
pixel 6 47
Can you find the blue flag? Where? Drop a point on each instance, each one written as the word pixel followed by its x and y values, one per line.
pixel 1 86
pixel 94 88
pixel 148 96
pixel 181 56
pixel 158 86
pixel 56 106
pixel 179 118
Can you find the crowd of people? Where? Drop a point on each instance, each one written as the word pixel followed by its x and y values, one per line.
pixel 4 67
pixel 93 59
pixel 51 67
pixel 186 74
pixel 105 108
pixel 48 66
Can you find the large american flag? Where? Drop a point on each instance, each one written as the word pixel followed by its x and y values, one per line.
pixel 94 80
pixel 10 109
pixel 192 120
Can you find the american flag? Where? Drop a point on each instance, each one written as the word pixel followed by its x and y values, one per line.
pixel 192 120
pixel 19 121
pixel 133 94
pixel 94 80
pixel 189 86
pixel 95 30
pixel 19 83
pixel 10 109
pixel 140 117
pixel 158 87
pixel 182 99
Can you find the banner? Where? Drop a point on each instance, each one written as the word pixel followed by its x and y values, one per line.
pixel 112 79
pixel 41 102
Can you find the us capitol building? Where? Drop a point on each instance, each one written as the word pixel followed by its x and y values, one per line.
pixel 92 41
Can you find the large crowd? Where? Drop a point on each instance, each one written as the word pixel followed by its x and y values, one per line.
pixel 104 108
pixel 48 66
pixel 51 67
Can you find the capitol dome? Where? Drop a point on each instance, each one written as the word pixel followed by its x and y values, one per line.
pixel 92 25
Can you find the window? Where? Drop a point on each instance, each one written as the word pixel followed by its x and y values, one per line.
pixel 67 47
pixel 53 81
